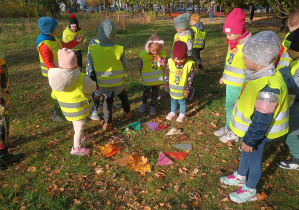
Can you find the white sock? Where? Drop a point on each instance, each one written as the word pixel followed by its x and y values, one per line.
pixel 251 190
pixel 241 177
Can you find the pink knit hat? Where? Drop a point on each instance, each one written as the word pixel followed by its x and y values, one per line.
pixel 67 59
pixel 153 40
pixel 235 22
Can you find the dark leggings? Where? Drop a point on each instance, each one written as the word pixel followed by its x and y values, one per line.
pixel 146 93
pixel 108 102
pixel 196 57
pixel 79 58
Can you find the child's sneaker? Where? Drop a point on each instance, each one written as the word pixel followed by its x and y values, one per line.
pixel 80 151
pixel 170 116
pixel 228 137
pixel 94 115
pixel 221 132
pixel 232 180
pixel 152 110
pixel 181 118
pixel 292 163
pixel 142 108
pixel 243 194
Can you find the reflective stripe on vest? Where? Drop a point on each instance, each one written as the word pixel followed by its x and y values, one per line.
pixel 54 46
pixel 74 104
pixel 107 65
pixel 152 71
pixel 284 58
pixel 233 73
pixel 244 108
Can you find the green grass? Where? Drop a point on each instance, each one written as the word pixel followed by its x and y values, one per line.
pixel 60 178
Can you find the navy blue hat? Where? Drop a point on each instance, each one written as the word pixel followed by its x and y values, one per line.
pixel 47 24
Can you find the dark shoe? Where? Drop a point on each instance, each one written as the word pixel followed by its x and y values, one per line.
pixel 163 96
pixel 10 159
pixel 292 163
pixel 57 117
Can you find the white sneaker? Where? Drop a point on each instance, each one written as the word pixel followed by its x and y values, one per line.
pixel 170 116
pixel 228 137
pixel 222 131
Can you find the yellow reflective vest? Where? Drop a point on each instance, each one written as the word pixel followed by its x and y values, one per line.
pixel 234 67
pixel 107 65
pixel 284 58
pixel 244 108
pixel 199 38
pixel 178 78
pixel 152 72
pixel 54 46
pixel 184 38
pixel 73 103
pixel 69 35
pixel 294 64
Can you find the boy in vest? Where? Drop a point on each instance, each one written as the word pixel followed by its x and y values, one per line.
pixel 6 158
pixel 73 91
pixel 108 62
pixel 260 114
pixel 283 59
pixel 291 77
pixel 48 45
pixel 233 75
pixel 199 36
pixel 178 79
pixel 71 32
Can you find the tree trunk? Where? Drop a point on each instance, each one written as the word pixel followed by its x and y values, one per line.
pixel 172 6
pixel 251 13
pixel 267 9
pixel 283 24
pixel 198 7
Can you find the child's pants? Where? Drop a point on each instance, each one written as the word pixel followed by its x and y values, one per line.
pixel 107 105
pixel 293 136
pixel 79 126
pixel 174 105
pixel 232 94
pixel 196 57
pixel 146 93
pixel 252 162
pixel 79 58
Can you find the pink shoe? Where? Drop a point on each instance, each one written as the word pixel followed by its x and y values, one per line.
pixel 80 151
pixel 86 138
pixel 181 118
pixel 170 116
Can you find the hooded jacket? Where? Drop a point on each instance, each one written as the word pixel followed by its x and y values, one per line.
pixel 200 27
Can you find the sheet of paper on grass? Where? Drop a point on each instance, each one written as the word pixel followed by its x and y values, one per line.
pixel 152 126
pixel 187 146
pixel 180 156
pixel 163 160
pixel 161 127
pixel 174 131
pixel 123 161
pixel 135 125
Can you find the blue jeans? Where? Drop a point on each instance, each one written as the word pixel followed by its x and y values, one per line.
pixel 252 162
pixel 232 94
pixel 174 105
pixel 210 16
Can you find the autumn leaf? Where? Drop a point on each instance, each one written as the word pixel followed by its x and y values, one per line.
pixel 139 164
pixel 107 148
pixel 184 206
pixel 160 175
pixel 31 169
pixel 99 169
pixel 77 202
pixel 226 199
pixel 262 196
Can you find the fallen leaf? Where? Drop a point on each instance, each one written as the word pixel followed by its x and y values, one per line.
pixel 266 208
pixel 184 206
pixel 99 169
pixel 77 202
pixel 195 172
pixel 262 196
pixel 146 208
pixel 183 170
pixel 139 164
pixel 226 199
pixel 56 171
pixel 31 169
pixel 160 175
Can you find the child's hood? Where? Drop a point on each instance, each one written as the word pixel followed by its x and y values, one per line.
pixel 199 26
pixel 107 33
pixel 63 79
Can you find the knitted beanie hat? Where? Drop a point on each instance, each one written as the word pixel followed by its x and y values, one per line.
pixel 154 40
pixel 179 50
pixel 195 18
pixel 47 25
pixel 292 40
pixel 182 21
pixel 74 20
pixel 67 59
pixel 262 48
pixel 235 22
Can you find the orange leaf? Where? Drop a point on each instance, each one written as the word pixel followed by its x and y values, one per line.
pixel 226 199
pixel 57 171
pixel 107 148
pixel 262 196
pixel 113 152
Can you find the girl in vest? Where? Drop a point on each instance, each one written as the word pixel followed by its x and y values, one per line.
pixel 73 91
pixel 71 32
pixel 48 45
pixel 152 63
pixel 108 63
pixel 291 77
pixel 178 79
pixel 198 36
pixel 260 114
pixel 233 75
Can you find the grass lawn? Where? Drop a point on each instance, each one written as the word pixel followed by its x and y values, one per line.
pixel 51 178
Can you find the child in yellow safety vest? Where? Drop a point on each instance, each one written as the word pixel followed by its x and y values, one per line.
pixel 72 31
pixel 259 115
pixel 73 91
pixel 291 77
pixel 152 63
pixel 178 79
pixel 199 39
pixel 233 75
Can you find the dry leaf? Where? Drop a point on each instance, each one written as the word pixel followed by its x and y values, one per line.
pixel 22 208
pixel 57 171
pixel 99 169
pixel 160 175
pixel 195 172
pixel 31 169
pixel 195 204
pixel 139 164
pixel 183 170
pixel 226 199
pixel 176 188
pixel 213 125
pixel 77 202
pixel 107 148
pixel 266 208
pixel 262 196
pixel 184 206
pixel 146 208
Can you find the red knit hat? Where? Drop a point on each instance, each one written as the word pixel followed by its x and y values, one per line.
pixel 179 50
pixel 235 22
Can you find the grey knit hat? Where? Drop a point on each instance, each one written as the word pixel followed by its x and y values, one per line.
pixel 182 21
pixel 262 48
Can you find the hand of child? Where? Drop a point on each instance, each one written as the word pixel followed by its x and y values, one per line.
pixel 221 81
pixel 186 93
pixel 79 39
pixel 158 58
pixel 246 148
